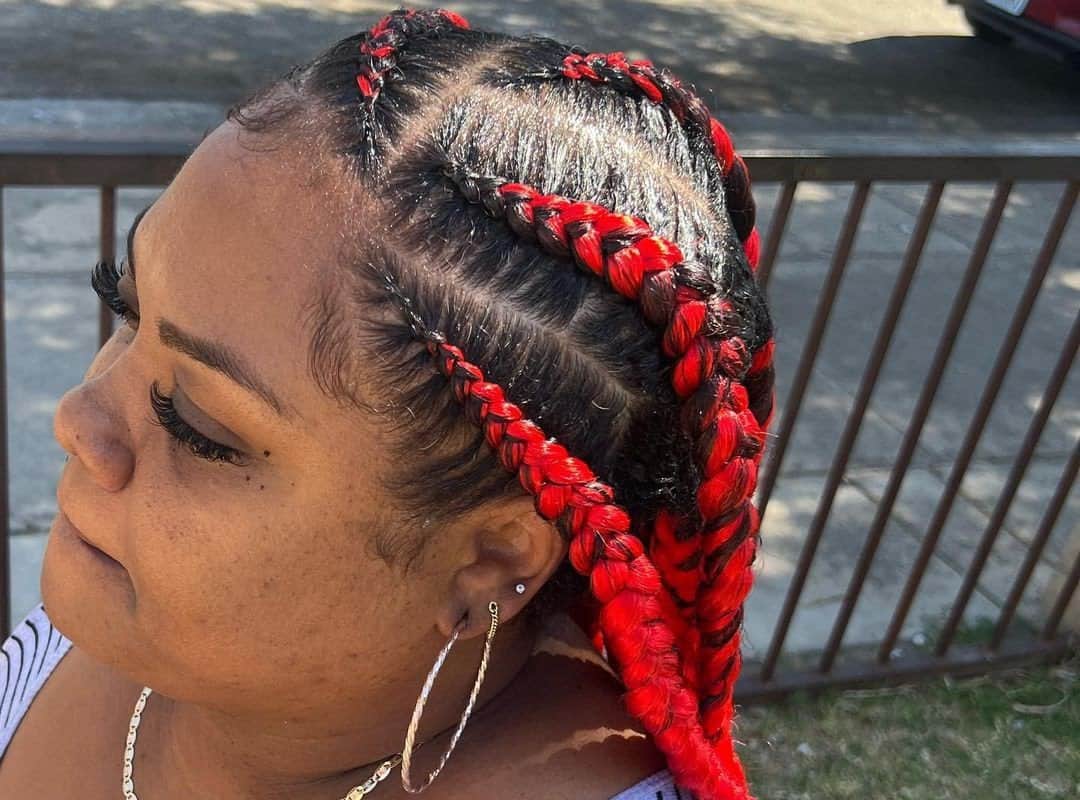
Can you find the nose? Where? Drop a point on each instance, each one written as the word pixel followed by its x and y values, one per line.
pixel 89 422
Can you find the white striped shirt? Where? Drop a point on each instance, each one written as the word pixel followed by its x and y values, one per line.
pixel 30 654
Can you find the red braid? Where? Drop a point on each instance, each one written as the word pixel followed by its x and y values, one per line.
pixel 640 644
pixel 680 562
pixel 379 56
pixel 708 574
pixel 386 36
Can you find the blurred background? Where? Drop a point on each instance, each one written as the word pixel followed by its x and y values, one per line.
pixel 916 167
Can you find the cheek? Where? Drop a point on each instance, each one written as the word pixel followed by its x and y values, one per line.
pixel 228 585
pixel 202 565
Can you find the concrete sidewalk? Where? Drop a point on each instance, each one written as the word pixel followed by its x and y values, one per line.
pixel 833 64
pixel 51 242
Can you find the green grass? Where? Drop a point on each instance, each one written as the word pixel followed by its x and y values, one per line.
pixel 1008 736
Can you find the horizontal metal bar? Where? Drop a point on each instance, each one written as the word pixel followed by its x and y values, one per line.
pixel 55 163
pixel 137 168
pixel 794 166
pixel 966 661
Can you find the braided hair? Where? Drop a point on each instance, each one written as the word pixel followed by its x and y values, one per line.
pixel 531 321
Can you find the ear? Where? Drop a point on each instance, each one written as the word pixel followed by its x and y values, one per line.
pixel 506 546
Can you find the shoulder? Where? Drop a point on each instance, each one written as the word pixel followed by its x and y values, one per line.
pixel 564 732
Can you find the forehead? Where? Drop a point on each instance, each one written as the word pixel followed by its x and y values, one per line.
pixel 235 250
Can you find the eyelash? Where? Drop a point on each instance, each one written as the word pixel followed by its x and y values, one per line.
pixel 183 433
pixel 103 278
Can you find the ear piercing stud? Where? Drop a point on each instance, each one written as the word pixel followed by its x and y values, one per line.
pixel 520 588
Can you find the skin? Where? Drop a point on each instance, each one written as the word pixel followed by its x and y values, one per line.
pixel 223 569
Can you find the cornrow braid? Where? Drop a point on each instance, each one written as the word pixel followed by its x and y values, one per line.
pixel 661 87
pixel 710 363
pixel 639 643
pixel 380 49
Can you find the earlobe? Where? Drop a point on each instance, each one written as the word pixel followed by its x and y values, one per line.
pixel 520 549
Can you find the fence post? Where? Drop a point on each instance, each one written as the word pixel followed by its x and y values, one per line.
pixel 5 526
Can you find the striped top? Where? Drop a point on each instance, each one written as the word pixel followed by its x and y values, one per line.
pixel 35 647
pixel 30 654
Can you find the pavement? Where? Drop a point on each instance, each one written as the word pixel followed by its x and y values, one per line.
pixel 788 64
pixel 829 74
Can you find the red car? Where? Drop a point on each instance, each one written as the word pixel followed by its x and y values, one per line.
pixel 1051 25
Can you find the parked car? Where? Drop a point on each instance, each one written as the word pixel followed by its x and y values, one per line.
pixel 1049 25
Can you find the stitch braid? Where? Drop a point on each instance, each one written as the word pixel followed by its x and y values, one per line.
pixel 661 87
pixel 379 53
pixel 380 49
pixel 710 577
pixel 641 645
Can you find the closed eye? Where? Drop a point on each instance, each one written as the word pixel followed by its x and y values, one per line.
pixel 104 279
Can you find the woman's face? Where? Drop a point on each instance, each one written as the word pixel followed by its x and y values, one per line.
pixel 232 579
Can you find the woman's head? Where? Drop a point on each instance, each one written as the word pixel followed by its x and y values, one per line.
pixel 396 241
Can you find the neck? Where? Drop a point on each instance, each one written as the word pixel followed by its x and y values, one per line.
pixel 321 752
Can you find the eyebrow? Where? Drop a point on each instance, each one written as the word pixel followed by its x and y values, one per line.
pixel 214 355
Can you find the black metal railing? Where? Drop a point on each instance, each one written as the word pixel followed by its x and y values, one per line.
pixel 111 166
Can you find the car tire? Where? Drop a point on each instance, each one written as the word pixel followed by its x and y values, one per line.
pixel 985 32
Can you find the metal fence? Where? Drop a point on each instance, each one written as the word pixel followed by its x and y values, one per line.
pixel 109 167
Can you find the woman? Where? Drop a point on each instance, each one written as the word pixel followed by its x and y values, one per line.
pixel 408 421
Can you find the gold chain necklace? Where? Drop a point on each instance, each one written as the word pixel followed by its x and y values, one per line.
pixel 129 758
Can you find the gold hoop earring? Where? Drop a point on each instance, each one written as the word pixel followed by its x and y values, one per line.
pixel 410 736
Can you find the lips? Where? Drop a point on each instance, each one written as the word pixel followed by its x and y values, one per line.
pixel 63 505
pixel 76 529
pixel 80 535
